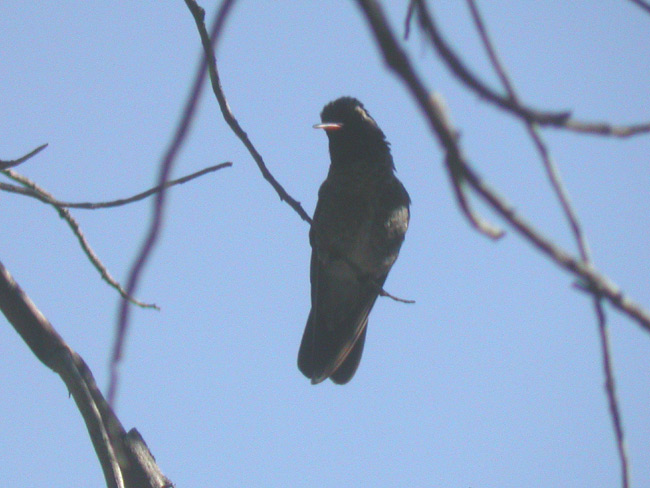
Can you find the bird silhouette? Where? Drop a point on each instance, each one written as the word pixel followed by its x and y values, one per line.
pixel 356 234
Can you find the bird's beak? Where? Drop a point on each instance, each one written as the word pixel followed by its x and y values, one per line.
pixel 329 126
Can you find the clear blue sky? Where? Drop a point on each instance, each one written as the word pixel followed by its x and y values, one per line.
pixel 492 379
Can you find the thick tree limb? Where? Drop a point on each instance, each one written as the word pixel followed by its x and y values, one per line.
pixel 125 461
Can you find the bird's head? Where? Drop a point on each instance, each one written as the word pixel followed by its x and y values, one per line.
pixel 352 132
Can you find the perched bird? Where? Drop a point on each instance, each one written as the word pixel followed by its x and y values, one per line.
pixel 357 230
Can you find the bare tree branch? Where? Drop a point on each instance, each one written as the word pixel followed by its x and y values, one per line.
pixel 605 128
pixel 464 74
pixel 48 198
pixel 198 14
pixel 610 388
pixel 112 203
pixel 582 271
pixel 33 190
pixel 121 454
pixel 563 196
pixel 560 120
pixel 16 162
pixel 532 128
pixel 446 135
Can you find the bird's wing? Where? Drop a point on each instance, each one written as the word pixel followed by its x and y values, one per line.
pixel 341 302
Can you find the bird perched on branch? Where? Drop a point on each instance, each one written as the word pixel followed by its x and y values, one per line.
pixel 358 228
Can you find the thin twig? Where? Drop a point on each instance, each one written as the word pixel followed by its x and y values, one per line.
pixel 16 162
pixel 113 203
pixel 151 238
pixel 610 388
pixel 407 19
pixel 610 385
pixel 384 293
pixel 604 128
pixel 76 229
pixel 559 120
pixel 563 196
pixel 198 13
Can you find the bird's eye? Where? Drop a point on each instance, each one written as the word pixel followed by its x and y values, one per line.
pixel 365 116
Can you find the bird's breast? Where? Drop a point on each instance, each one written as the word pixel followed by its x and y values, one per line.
pixel 354 221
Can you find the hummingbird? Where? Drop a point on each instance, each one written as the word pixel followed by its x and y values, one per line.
pixel 357 230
